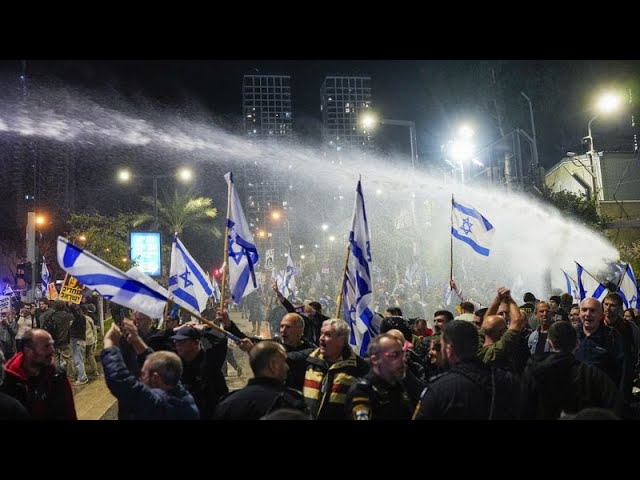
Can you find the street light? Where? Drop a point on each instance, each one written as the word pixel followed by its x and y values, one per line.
pixel 184 174
pixel 461 148
pixel 606 103
pixel 369 120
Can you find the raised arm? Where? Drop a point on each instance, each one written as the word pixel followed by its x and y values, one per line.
pixel 281 298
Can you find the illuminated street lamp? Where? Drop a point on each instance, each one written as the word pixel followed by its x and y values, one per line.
pixel 461 148
pixel 184 175
pixel 606 103
pixel 370 121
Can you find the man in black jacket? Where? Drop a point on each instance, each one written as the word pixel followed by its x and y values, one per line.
pixel 296 346
pixel 561 384
pixel 380 394
pixel 264 393
pixel 469 390
pixel 312 315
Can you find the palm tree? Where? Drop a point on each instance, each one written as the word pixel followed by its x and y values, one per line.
pixel 181 212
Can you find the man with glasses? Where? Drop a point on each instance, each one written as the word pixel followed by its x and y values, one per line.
pixel 380 395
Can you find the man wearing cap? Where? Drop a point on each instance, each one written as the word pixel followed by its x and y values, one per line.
pixel 557 313
pixel 528 308
pixel 202 368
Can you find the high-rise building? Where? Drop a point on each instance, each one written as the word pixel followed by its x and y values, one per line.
pixel 343 100
pixel 268 117
pixel 266 104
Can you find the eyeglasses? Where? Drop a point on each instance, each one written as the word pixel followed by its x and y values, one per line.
pixel 394 354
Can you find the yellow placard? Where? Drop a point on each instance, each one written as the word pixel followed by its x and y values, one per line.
pixel 71 290
pixel 52 292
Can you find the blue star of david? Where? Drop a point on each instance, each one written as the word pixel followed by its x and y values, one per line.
pixel 466 226
pixel 233 254
pixel 185 277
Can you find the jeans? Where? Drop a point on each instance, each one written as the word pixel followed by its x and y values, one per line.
pixel 78 349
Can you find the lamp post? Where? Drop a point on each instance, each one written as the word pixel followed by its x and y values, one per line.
pixel 607 103
pixel 533 133
pixel 369 120
pixel 184 174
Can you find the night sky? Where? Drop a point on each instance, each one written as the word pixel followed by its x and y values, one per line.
pixel 436 94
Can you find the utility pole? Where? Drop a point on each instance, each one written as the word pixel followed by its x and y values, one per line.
pixel 31 251
pixel 534 142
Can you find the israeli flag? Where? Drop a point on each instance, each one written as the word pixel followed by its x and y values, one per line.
pixel 588 286
pixel 243 254
pixel 290 279
pixel 572 287
pixel 216 288
pixel 628 289
pixel 282 284
pixel 45 278
pixel 188 284
pixel 357 291
pixel 470 227
pixel 133 289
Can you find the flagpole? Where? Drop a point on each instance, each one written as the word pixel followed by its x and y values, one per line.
pixel 225 265
pixel 587 272
pixel 344 279
pixel 210 323
pixel 344 272
pixel 451 244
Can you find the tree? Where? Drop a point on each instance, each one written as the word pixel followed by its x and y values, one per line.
pixel 105 236
pixel 630 253
pixel 578 207
pixel 180 212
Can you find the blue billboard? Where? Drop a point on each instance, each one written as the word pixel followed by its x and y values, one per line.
pixel 145 251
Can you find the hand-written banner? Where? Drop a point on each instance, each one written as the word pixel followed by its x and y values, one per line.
pixel 71 290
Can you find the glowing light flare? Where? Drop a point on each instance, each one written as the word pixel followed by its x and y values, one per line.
pixel 124 175
pixel 608 102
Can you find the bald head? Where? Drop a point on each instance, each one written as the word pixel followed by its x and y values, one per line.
pixel 494 326
pixel 37 346
pixel 291 329
pixel 590 315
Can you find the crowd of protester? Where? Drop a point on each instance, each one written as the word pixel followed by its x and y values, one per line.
pixel 542 359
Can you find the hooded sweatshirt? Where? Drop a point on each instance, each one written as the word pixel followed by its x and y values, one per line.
pixel 47 396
